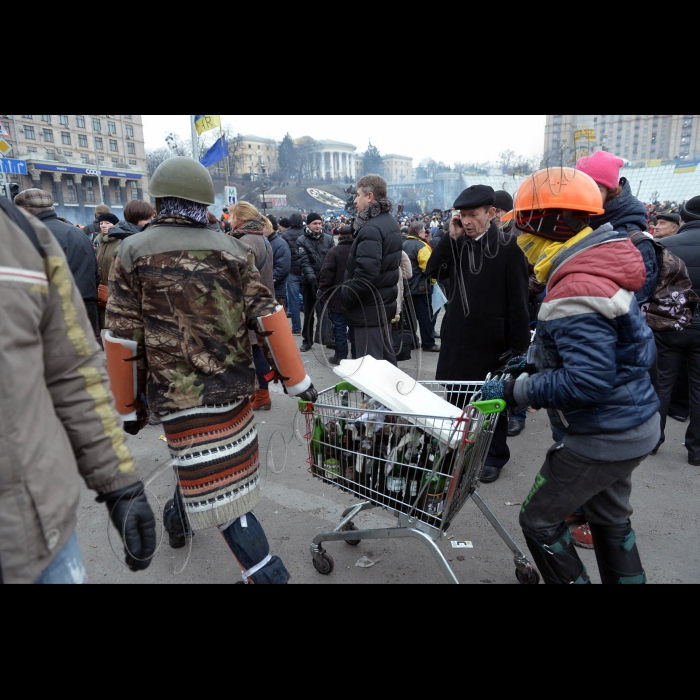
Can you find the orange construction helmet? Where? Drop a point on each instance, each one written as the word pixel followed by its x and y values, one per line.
pixel 559 188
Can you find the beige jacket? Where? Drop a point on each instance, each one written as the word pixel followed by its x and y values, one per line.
pixel 57 416
pixel 405 273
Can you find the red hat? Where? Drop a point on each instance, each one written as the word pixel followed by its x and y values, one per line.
pixel 603 167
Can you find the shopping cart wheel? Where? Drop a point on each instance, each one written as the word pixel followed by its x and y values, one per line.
pixel 531 576
pixel 348 528
pixel 326 565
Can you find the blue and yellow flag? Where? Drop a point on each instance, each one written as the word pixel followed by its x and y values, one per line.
pixel 206 122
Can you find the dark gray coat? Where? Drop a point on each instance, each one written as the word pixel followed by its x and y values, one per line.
pixel 333 275
pixel 495 317
pixel 282 265
pixel 291 235
pixel 81 258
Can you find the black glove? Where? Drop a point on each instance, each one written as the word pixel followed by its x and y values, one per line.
pixel 309 395
pixel 134 520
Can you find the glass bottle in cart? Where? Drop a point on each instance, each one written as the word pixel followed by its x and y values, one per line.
pixel 317 447
pixel 363 463
pixel 331 462
pixel 432 501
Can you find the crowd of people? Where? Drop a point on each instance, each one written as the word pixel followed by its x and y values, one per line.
pixel 559 291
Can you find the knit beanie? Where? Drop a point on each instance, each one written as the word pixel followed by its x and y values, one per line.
pixel 313 217
pixel 108 217
pixel 690 211
pixel 603 167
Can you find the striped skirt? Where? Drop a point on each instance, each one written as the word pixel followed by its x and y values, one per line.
pixel 216 460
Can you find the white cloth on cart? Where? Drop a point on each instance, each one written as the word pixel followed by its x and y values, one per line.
pixel 402 394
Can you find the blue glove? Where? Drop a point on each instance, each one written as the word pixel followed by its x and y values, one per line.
pixel 493 389
pixel 499 389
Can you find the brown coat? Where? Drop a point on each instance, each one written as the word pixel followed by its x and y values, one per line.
pixel 57 415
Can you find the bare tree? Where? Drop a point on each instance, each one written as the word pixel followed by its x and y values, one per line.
pixel 506 159
pixel 155 157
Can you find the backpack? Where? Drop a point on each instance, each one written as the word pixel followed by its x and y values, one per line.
pixel 673 302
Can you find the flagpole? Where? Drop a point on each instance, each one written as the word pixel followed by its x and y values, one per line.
pixel 195 139
pixel 221 132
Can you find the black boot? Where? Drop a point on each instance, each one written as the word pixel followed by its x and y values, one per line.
pixel 617 555
pixel 175 523
pixel 558 560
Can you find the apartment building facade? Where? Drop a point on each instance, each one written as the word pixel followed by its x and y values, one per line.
pixel 638 138
pixel 82 159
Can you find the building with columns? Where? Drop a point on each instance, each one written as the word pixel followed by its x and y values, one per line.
pixel 333 160
pixel 70 155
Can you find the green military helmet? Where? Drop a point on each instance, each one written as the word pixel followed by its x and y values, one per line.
pixel 184 178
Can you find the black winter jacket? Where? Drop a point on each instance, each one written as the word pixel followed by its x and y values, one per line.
pixel 81 259
pixel 333 275
pixel 372 275
pixel 492 274
pixel 312 251
pixel 291 235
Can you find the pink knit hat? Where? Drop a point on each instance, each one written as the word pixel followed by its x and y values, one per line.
pixel 603 167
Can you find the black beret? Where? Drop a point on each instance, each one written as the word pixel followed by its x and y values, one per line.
pixel 476 196
pixel 503 200
pixel 673 218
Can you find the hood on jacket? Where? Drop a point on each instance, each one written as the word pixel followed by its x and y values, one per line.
pixel 604 253
pixel 625 212
pixel 119 232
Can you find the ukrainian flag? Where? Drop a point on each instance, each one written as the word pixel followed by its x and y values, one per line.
pixel 206 122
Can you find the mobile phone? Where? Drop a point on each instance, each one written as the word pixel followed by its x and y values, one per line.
pixel 455 218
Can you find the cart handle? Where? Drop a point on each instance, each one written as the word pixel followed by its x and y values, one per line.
pixel 489 407
pixel 306 406
pixel 344 386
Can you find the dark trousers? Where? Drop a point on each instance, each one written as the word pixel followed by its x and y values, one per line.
pixel 422 309
pixel 343 335
pixel 310 310
pixel 376 342
pixel 679 404
pixel 262 367
pixel 671 348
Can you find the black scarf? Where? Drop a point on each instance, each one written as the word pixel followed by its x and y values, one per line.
pixel 381 206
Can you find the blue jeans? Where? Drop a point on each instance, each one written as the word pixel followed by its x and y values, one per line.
pixel 293 292
pixel 67 566
pixel 343 334
pixel 423 310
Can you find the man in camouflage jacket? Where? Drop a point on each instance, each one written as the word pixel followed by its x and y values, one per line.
pixel 188 296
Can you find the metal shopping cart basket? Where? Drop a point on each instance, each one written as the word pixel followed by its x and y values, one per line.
pixel 421 468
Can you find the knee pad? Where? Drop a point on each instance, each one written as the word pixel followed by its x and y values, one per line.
pixel 557 560
pixel 246 539
pixel 617 555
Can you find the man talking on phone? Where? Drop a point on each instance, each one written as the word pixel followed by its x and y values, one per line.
pixel 486 318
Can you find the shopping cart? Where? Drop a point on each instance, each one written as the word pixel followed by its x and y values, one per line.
pixel 421 468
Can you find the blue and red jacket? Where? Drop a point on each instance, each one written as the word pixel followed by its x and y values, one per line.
pixel 594 347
